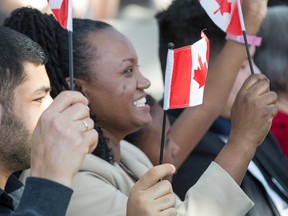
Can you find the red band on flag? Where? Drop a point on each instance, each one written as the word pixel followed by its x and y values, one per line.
pixel 186 73
pixel 234 26
pixel 180 87
pixel 62 10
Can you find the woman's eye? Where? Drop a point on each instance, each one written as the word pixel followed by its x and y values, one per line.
pixel 128 71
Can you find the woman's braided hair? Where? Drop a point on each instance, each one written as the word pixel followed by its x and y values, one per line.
pixel 45 30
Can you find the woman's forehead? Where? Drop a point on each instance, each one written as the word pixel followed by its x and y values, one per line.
pixel 111 45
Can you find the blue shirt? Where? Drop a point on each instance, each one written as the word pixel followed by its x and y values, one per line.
pixel 40 197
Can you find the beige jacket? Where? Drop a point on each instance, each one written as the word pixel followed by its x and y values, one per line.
pixel 101 189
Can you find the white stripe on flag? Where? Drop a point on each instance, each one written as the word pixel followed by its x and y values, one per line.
pixel 70 19
pixel 198 49
pixel 211 7
pixel 168 78
pixel 55 4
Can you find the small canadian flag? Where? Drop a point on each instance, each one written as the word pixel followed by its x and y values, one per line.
pixel 185 74
pixel 62 10
pixel 224 14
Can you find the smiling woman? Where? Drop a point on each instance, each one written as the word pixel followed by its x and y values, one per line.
pixel 107 73
pixel 118 84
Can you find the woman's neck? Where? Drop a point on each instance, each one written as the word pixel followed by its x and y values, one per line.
pixel 113 144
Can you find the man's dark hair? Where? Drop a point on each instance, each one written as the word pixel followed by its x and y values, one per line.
pixel 16 49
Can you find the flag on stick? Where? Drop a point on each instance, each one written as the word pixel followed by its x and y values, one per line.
pixel 185 78
pixel 62 10
pixel 224 14
pixel 185 75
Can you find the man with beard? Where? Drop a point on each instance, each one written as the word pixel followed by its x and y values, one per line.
pixel 55 144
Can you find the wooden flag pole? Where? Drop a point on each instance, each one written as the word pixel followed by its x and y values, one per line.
pixel 170 46
pixel 245 36
pixel 71 67
pixel 162 137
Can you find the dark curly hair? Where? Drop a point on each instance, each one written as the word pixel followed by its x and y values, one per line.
pixel 45 30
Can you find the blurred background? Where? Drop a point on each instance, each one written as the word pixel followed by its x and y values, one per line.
pixel 134 18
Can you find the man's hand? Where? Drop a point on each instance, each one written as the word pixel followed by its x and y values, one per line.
pixel 152 197
pixel 63 136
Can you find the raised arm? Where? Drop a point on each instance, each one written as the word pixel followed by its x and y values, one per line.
pixel 251 117
pixel 218 188
pixel 191 125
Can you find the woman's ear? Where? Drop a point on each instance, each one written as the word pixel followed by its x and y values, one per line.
pixel 77 84
pixel 67 79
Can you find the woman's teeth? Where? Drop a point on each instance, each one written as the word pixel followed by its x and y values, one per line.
pixel 140 102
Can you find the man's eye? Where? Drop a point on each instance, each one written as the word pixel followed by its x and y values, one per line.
pixel 40 100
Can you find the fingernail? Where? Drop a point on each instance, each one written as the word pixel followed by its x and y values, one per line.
pixel 87 101
pixel 173 168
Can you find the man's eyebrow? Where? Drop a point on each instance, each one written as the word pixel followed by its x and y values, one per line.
pixel 43 89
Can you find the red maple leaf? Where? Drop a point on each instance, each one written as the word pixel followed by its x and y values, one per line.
pixel 224 7
pixel 200 73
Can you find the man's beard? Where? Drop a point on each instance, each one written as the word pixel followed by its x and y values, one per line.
pixel 15 143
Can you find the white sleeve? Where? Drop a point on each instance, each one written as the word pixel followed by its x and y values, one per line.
pixel 215 193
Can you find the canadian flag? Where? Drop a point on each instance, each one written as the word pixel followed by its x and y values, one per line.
pixel 62 10
pixel 185 74
pixel 224 14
